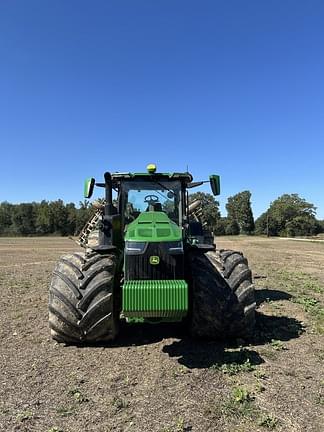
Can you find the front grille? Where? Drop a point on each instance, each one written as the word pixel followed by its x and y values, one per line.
pixel 138 267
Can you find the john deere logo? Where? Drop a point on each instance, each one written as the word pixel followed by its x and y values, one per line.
pixel 154 260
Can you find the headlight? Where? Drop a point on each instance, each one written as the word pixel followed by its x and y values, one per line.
pixel 135 248
pixel 175 247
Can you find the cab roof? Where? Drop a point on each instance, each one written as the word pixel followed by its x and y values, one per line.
pixel 185 177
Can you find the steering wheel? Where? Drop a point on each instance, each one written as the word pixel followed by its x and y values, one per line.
pixel 151 199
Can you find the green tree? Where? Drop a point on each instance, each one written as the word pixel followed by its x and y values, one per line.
pixel 320 226
pixel 72 215
pixel 24 218
pixel 44 222
pixel 59 217
pixel 232 227
pixel 302 226
pixel 266 225
pixel 220 226
pixel 6 211
pixel 239 210
pixel 288 215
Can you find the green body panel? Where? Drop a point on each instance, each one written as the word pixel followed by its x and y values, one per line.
pixel 155 299
pixel 153 226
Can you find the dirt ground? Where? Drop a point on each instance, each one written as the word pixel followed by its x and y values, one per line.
pixel 155 378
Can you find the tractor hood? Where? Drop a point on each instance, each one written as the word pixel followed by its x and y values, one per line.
pixel 153 226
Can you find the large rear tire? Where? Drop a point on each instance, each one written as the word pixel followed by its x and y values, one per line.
pixel 82 303
pixel 223 295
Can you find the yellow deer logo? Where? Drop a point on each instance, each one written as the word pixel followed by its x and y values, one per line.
pixel 154 260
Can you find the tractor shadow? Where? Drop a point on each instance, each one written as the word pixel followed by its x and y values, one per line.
pixel 267 295
pixel 271 327
pixel 147 334
pixel 204 354
pixel 194 353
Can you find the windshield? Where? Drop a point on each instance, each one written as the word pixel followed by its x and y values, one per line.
pixel 142 196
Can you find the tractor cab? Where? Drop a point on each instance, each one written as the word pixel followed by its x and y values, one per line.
pixel 150 192
pixel 140 196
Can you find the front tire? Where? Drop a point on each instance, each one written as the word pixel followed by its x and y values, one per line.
pixel 223 295
pixel 82 303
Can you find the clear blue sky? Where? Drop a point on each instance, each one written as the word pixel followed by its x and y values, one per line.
pixel 228 87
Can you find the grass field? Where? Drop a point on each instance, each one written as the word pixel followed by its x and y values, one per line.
pixel 155 378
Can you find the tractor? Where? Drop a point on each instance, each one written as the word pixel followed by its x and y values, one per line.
pixel 148 258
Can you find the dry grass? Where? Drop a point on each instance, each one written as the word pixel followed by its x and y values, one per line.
pixel 156 378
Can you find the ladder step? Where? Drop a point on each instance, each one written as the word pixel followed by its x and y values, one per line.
pixel 89 227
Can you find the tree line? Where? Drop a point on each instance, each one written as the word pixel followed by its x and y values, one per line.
pixel 44 218
pixel 289 215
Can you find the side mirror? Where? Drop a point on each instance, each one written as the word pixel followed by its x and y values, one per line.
pixel 215 184
pixel 88 187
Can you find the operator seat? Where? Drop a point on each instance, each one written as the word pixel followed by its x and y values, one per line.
pixel 154 207
pixel 158 207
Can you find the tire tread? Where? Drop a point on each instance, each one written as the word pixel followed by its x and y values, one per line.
pixel 82 308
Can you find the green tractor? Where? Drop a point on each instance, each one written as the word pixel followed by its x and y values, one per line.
pixel 149 258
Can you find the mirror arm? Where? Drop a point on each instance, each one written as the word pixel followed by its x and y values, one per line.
pixel 195 184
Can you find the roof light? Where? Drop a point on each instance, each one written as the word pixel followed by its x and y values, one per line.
pixel 151 168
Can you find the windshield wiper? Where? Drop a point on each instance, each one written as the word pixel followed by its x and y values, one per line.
pixel 164 187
